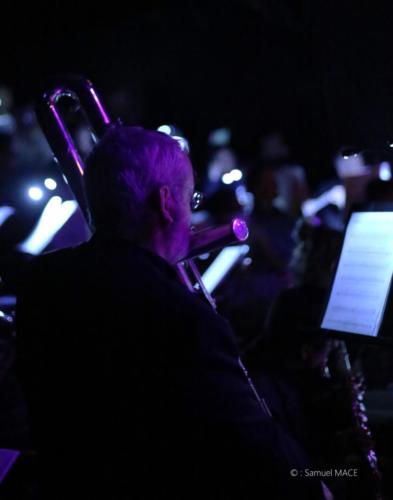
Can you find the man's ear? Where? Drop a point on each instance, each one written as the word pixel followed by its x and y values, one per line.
pixel 166 204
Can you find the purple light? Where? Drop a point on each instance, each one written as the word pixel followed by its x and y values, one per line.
pixel 240 229
pixel 100 107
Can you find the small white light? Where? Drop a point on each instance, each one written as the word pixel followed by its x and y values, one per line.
pixel 220 137
pixel 385 173
pixel 227 178
pixel 50 184
pixel 165 129
pixel 346 157
pixel 35 193
pixel 236 174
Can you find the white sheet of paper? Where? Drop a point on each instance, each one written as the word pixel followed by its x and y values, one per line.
pixel 362 282
pixel 222 264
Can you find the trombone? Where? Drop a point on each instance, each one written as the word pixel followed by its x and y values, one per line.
pixel 82 93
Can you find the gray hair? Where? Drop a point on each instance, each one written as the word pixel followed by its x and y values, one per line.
pixel 122 172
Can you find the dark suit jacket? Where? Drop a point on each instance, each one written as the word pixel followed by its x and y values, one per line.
pixel 134 386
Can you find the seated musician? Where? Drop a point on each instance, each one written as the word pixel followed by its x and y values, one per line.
pixel 134 384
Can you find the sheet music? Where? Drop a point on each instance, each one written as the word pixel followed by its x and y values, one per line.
pixel 222 264
pixel 362 282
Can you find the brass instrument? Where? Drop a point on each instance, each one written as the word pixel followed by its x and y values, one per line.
pixel 82 93
pixel 84 96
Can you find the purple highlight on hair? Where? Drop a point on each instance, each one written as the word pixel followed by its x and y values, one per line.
pixel 123 170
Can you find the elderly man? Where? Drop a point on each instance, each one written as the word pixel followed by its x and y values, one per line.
pixel 134 384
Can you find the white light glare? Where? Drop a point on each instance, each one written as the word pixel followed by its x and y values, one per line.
pixel 165 129
pixel 227 178
pixel 385 172
pixel 50 184
pixel 236 174
pixel 35 193
pixel 232 176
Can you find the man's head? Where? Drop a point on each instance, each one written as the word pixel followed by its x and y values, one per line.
pixel 139 185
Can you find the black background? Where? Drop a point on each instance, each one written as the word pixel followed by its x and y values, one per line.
pixel 320 71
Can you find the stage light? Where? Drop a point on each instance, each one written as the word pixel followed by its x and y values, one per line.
pixel 165 129
pixel 236 174
pixel 385 172
pixel 227 178
pixel 35 193
pixel 220 137
pixel 50 184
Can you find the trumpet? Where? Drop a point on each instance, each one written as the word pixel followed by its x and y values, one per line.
pixel 83 95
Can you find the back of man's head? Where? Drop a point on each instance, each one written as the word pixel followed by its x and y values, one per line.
pixel 122 173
